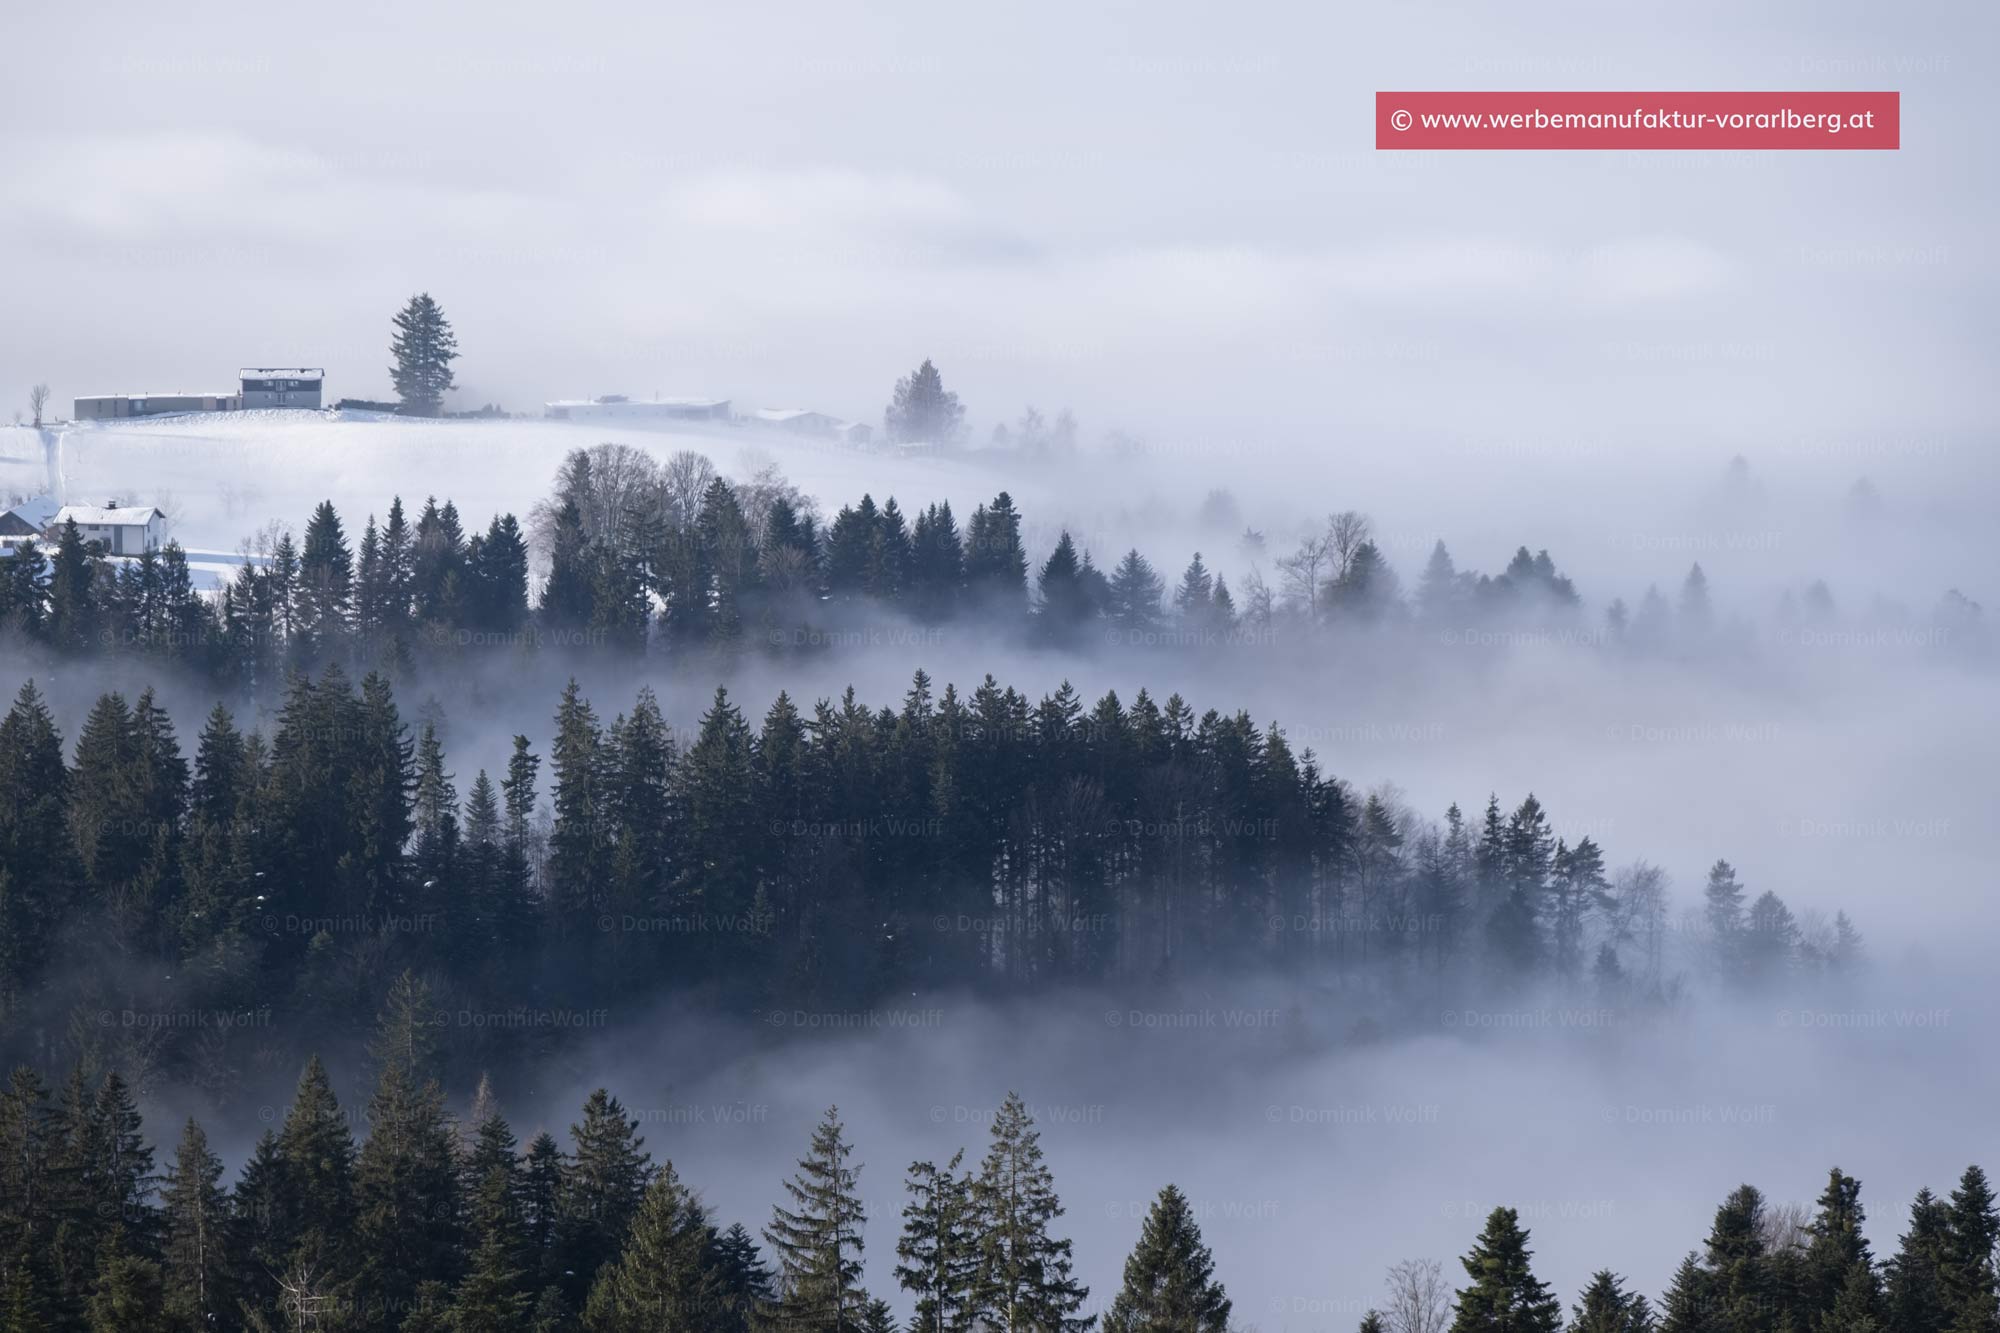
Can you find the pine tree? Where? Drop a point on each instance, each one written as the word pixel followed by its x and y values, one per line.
pixel 1972 1228
pixel 1836 1248
pixel 1023 1276
pixel 1504 1296
pixel 199 1293
pixel 1607 1307
pixel 1689 1306
pixel 745 1282
pixel 923 410
pixel 818 1240
pixel 325 582
pixel 938 1248
pixel 666 1278
pixel 1742 1284
pixel 1915 1275
pixel 603 1181
pixel 406 1193
pixel 314 1191
pixel 1170 1284
pixel 127 1295
pixel 424 348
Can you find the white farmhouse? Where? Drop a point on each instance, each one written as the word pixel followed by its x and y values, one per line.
pixel 121 531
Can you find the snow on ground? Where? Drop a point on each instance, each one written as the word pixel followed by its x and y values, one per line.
pixel 221 477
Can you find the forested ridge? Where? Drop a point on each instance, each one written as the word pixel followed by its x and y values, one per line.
pixel 635 556
pixel 426 1222
pixel 822 859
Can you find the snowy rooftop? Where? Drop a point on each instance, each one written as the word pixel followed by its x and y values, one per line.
pixel 37 511
pixel 638 402
pixel 105 517
pixel 282 372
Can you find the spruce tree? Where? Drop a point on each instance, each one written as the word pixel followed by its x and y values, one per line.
pixel 666 1278
pixel 407 1203
pixel 1972 1228
pixel 313 1195
pixel 1504 1296
pixel 603 1181
pixel 1606 1307
pixel 818 1239
pixel 195 1208
pixel 938 1249
pixel 1915 1284
pixel 424 348
pixel 923 411
pixel 1023 1278
pixel 1170 1284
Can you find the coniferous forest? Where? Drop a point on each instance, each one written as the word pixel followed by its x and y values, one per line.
pixel 198 903
pixel 430 1223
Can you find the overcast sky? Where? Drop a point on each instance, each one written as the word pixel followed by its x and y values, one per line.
pixel 1168 215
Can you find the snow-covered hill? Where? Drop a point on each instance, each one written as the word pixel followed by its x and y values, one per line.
pixel 221 477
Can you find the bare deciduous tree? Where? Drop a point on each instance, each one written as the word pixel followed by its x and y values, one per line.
pixel 1419 1297
pixel 1300 572
pixel 38 401
pixel 1345 532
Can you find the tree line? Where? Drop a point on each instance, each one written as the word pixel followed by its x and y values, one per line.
pixel 825 857
pixel 427 1224
pixel 667 557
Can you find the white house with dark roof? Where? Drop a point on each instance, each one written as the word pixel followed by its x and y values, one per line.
pixel 121 530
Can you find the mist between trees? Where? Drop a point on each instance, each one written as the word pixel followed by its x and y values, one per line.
pixel 424 1221
pixel 632 557
pixel 827 860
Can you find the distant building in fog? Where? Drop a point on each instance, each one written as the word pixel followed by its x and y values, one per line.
pixel 803 421
pixel 617 407
pixel 282 386
pixel 113 406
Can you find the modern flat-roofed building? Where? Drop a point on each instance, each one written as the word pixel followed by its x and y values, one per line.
pixel 282 386
pixel 120 529
pixel 112 406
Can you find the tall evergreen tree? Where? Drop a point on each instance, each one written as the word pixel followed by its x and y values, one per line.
pixel 1023 1278
pixel 818 1239
pixel 424 348
pixel 1504 1295
pixel 1170 1284
pixel 666 1278
pixel 938 1249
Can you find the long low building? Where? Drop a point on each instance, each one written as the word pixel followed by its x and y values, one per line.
pixel 111 406
pixel 804 421
pixel 615 407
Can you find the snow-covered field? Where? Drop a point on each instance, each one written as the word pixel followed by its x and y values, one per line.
pixel 221 477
